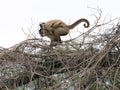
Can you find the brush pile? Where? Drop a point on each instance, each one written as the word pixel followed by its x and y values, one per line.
pixel 90 61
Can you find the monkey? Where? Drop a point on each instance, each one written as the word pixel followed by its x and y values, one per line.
pixel 53 29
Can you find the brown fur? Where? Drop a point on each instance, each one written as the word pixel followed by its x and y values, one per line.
pixel 56 28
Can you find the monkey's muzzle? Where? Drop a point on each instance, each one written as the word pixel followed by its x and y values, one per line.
pixel 41 33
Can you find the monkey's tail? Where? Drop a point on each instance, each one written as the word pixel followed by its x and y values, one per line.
pixel 86 24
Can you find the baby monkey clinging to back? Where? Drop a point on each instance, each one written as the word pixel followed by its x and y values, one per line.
pixel 53 29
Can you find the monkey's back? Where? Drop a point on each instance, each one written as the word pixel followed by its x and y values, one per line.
pixel 58 26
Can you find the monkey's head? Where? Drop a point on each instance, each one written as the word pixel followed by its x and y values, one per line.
pixel 42 29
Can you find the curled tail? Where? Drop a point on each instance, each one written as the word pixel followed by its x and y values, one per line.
pixel 86 24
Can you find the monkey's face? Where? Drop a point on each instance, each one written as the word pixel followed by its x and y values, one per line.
pixel 42 29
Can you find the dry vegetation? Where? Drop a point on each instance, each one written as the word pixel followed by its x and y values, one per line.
pixel 90 61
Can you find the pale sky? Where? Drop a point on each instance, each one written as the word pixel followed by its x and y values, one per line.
pixel 18 14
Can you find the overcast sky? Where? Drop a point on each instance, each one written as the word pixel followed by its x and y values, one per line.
pixel 18 14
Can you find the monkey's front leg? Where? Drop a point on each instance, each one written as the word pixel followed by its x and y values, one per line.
pixel 53 43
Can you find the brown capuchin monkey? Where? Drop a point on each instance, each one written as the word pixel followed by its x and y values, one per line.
pixel 53 29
